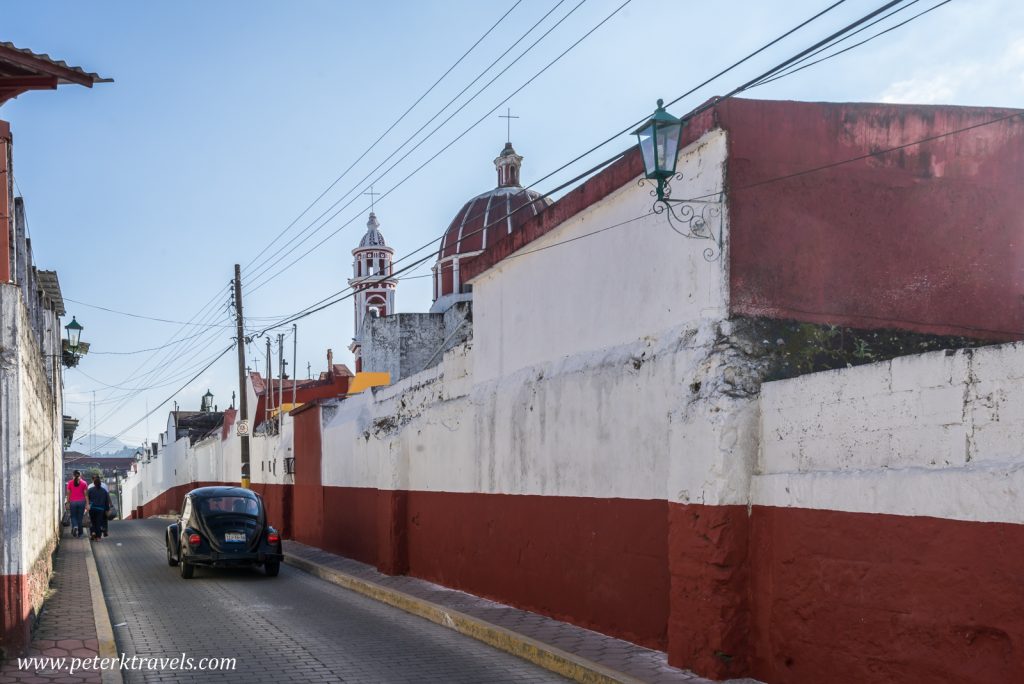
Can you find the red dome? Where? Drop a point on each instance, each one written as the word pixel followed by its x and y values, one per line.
pixel 484 220
pixel 489 217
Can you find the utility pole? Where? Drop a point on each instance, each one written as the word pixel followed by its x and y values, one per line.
pixel 295 359
pixel 280 382
pixel 243 399
pixel 269 390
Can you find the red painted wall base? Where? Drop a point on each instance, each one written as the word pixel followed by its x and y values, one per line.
pixel 15 615
pixel 779 594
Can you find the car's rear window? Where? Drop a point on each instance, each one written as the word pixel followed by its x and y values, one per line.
pixel 229 504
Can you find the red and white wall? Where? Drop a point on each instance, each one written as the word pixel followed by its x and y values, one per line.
pixel 603 451
pixel 887 528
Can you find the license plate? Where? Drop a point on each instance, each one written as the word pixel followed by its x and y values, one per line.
pixel 234 536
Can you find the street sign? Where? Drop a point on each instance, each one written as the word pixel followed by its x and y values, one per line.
pixel 242 430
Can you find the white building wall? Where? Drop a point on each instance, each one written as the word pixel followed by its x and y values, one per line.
pixel 548 302
pixel 210 460
pixel 559 393
pixel 936 434
pixel 563 394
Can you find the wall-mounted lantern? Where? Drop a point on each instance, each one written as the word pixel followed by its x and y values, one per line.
pixel 73 348
pixel 207 404
pixel 658 139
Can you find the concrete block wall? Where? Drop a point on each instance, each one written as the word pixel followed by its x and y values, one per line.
pixel 886 525
pixel 934 434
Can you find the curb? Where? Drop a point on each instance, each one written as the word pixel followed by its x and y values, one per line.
pixel 556 660
pixel 104 628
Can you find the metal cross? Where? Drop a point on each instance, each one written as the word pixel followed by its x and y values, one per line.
pixel 372 194
pixel 508 116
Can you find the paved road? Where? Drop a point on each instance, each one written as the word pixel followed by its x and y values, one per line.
pixel 294 627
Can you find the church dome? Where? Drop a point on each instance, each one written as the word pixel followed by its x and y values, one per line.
pixel 485 219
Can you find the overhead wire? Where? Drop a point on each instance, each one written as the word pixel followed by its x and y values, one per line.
pixel 336 298
pixel 749 84
pixel 794 68
pixel 267 263
pixel 172 395
pixel 605 162
pixel 131 315
pixel 405 156
pixel 385 133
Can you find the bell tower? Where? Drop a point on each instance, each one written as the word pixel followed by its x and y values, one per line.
pixel 372 282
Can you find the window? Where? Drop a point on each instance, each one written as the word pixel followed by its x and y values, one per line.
pixel 214 505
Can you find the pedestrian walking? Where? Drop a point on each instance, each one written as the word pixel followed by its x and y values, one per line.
pixel 106 518
pixel 99 504
pixel 77 488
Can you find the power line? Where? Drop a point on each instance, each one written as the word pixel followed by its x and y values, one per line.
pixel 795 68
pixel 867 155
pixel 173 394
pixel 92 352
pixel 446 147
pixel 132 315
pixel 309 311
pixel 163 365
pixel 617 135
pixel 816 169
pixel 266 264
pixel 382 135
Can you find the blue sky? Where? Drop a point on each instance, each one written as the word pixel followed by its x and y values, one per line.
pixel 227 119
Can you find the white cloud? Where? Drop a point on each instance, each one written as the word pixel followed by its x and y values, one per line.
pixel 969 82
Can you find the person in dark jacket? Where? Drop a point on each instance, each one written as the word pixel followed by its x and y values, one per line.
pixel 99 504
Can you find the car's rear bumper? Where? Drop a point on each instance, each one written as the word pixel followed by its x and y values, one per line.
pixel 219 559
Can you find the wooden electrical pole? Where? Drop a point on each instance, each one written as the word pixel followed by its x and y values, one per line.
pixel 243 398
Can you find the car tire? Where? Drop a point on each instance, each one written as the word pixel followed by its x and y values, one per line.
pixel 170 559
pixel 272 568
pixel 187 569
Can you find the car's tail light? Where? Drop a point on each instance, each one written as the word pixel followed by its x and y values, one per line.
pixel 273 538
pixel 194 539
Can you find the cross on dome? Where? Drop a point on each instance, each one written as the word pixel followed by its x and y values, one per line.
pixel 508 116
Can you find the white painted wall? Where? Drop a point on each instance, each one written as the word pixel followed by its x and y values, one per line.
pixel 606 290
pixel 209 460
pixel 938 434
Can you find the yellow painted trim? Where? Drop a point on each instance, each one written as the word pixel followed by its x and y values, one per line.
pixel 364 381
pixel 537 652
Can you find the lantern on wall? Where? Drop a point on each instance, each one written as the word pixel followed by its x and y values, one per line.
pixel 659 144
pixel 697 218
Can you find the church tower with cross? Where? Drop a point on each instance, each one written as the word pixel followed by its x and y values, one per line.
pixel 372 281
pixel 482 221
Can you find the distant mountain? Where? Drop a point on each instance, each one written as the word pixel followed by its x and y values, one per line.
pixel 115 447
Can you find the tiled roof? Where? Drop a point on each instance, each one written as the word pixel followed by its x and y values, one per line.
pixel 16 60
pixel 22 70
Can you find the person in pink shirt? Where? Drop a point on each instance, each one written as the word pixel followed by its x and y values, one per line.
pixel 77 488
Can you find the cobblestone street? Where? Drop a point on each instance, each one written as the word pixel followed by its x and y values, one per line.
pixel 291 628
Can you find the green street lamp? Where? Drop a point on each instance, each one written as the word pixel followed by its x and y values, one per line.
pixel 74 329
pixel 659 145
pixel 72 348
pixel 696 218
pixel 207 404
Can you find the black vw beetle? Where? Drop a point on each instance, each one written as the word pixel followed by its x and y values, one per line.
pixel 223 527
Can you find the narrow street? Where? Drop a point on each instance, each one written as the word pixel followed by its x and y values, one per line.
pixel 291 628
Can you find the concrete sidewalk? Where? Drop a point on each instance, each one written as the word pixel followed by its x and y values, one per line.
pixel 571 651
pixel 73 613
